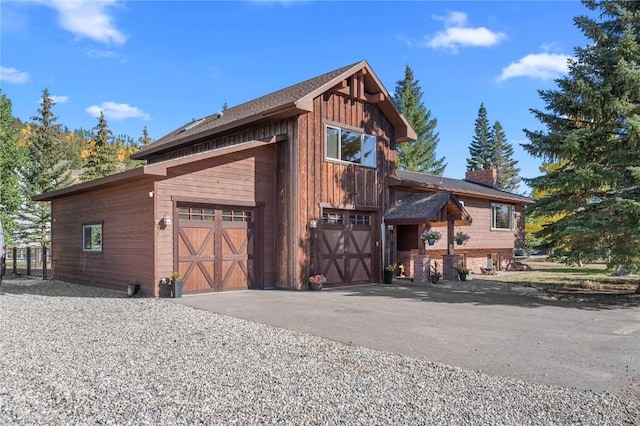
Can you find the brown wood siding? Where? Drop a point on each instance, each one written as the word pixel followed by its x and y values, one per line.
pixel 332 183
pixel 241 178
pixel 126 212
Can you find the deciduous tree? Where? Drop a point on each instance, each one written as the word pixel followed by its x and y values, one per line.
pixel 12 157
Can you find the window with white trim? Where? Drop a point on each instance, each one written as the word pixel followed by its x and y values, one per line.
pixel 350 146
pixel 92 237
pixel 501 216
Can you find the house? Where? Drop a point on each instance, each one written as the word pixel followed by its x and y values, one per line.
pixel 259 195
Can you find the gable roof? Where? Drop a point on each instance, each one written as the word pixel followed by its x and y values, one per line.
pixel 427 207
pixel 457 186
pixel 287 102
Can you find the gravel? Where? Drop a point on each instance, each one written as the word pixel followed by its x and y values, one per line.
pixel 72 354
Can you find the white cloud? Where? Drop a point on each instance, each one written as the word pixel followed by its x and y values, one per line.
pixel 88 18
pixel 544 66
pixel 60 99
pixel 101 54
pixel 12 75
pixel 117 111
pixel 457 34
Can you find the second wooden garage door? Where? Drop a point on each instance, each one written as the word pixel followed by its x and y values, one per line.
pixel 346 247
pixel 215 248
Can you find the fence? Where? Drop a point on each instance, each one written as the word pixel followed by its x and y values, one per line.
pixel 34 261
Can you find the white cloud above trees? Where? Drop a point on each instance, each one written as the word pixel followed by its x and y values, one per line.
pixel 13 76
pixel 458 34
pixel 117 111
pixel 88 18
pixel 543 66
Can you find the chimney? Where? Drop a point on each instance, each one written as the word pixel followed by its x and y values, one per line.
pixel 486 177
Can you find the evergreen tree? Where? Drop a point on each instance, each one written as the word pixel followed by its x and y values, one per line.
pixel 47 169
pixel 502 160
pixel 12 157
pixel 101 156
pixel 593 132
pixel 420 155
pixel 480 150
pixel 145 140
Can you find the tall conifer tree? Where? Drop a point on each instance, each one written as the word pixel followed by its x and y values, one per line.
pixel 101 154
pixel 593 133
pixel 47 169
pixel 480 150
pixel 502 160
pixel 420 155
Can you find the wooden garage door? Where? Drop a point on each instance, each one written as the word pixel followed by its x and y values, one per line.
pixel 215 248
pixel 346 247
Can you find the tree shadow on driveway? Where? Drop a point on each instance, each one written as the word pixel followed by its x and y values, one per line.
pixel 474 292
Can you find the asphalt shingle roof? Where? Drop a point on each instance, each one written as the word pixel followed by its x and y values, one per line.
pixel 458 186
pixel 272 101
pixel 422 207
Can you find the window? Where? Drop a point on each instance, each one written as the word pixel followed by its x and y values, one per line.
pixel 501 216
pixel 236 216
pixel 92 237
pixel 350 146
pixel 196 213
pixel 332 218
pixel 360 219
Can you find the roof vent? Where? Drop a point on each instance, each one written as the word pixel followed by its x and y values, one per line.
pixel 219 114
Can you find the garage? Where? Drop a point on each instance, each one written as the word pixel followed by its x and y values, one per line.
pixel 215 247
pixel 346 247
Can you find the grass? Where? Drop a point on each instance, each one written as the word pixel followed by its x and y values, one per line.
pixel 591 283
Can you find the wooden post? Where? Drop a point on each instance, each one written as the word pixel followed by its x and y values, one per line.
pixel 450 229
pixel 15 255
pixel 44 262
pixel 28 261
pixel 421 250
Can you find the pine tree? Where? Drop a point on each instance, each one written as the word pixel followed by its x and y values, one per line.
pixel 420 155
pixel 593 132
pixel 502 160
pixel 12 157
pixel 481 152
pixel 145 140
pixel 101 155
pixel 47 169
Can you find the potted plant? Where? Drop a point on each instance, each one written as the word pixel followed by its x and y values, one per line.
pixel 316 281
pixel 435 275
pixel 176 284
pixel 430 236
pixel 461 237
pixel 462 273
pixel 388 273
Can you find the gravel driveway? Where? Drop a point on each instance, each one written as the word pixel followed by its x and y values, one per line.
pixel 78 355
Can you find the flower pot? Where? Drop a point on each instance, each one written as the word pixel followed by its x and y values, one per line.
pixel 177 287
pixel 435 279
pixel 315 286
pixel 459 242
pixel 463 276
pixel 388 277
pixel 431 242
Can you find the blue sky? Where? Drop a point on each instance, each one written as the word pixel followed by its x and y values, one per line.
pixel 160 64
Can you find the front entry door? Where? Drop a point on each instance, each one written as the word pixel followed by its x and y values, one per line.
pixel 215 248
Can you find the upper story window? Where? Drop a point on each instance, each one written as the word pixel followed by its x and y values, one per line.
pixel 92 237
pixel 350 146
pixel 501 216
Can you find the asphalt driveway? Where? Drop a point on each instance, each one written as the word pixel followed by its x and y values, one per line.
pixel 479 325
